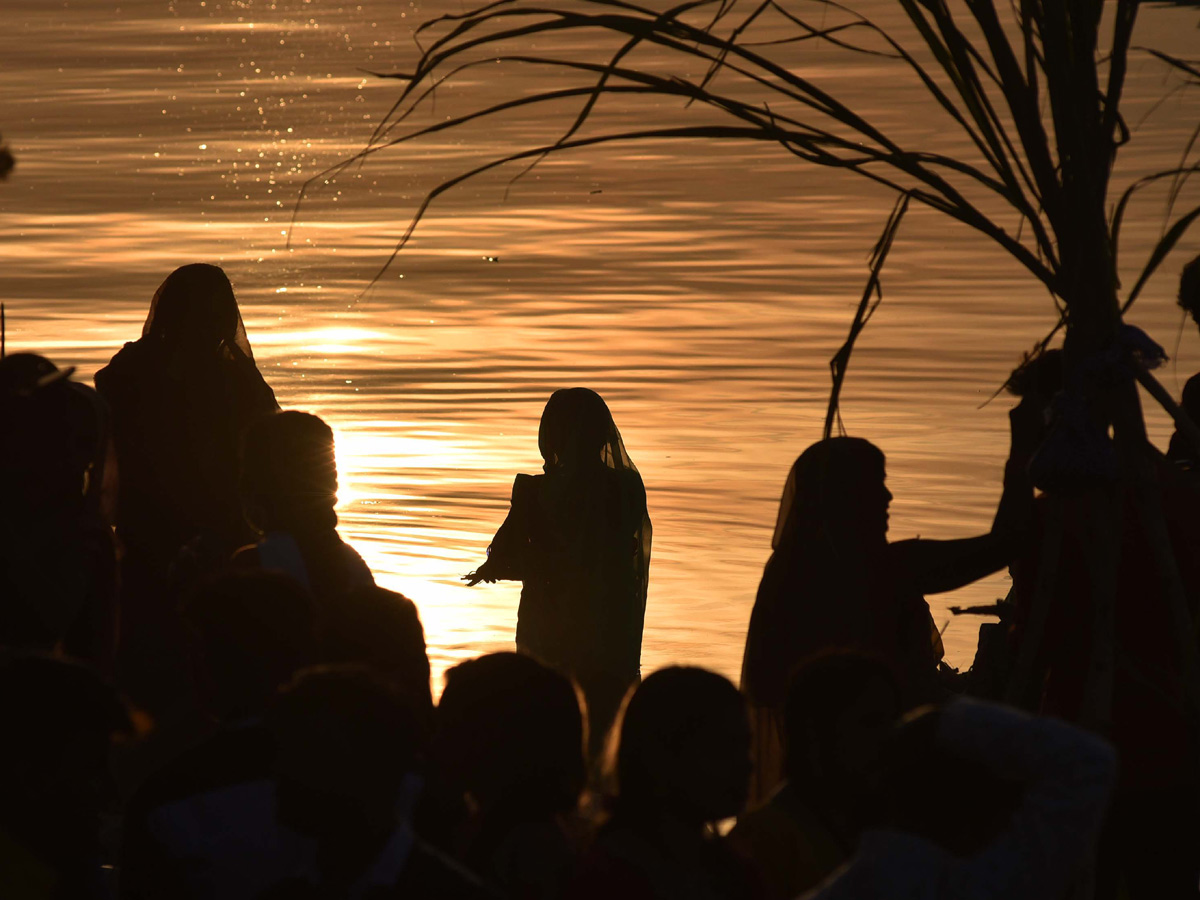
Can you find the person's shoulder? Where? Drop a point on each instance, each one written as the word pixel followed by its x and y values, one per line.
pixel 358 573
pixel 124 363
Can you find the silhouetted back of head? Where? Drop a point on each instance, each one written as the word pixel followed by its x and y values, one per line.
pixel 576 428
pixel 1039 376
pixel 841 708
pixel 510 731
pixel 382 630
pixel 835 495
pixel 289 472
pixel 54 434
pixel 347 740
pixel 194 310
pixel 255 630
pixel 955 802
pixel 683 747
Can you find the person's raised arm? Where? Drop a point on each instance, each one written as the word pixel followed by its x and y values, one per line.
pixel 937 566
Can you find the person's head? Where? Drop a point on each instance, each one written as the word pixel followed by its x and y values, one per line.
pixel 254 630
pixel 939 794
pixel 510 732
pixel 841 709
pixel 347 742
pixel 1039 377
pixel 289 472
pixel 835 496
pixel 576 426
pixel 1189 289
pixel 683 747
pixel 59 430
pixel 382 630
pixel 194 310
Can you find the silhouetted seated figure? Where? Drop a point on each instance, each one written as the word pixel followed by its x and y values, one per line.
pixel 510 740
pixel 180 398
pixel 289 487
pixel 58 587
pixel 682 764
pixel 55 786
pixel 578 538
pixel 982 802
pixel 834 580
pixel 841 711
pixel 346 788
pixel 381 630
pixel 204 826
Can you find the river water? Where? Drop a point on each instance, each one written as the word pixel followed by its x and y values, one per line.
pixel 700 289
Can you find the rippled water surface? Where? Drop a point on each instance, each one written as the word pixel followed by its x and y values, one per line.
pixel 701 289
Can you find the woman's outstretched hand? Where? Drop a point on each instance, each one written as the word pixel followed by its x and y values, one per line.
pixel 473 578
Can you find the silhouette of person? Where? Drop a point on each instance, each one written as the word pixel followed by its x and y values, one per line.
pixel 983 802
pixel 1149 847
pixel 289 487
pixel 510 739
pixel 682 763
pixel 578 538
pixel 180 397
pixel 841 710
pixel 382 630
pixel 346 783
pixel 58 565
pixel 834 580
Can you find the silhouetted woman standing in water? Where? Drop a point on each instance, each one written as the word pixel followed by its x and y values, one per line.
pixel 834 581
pixel 578 538
pixel 180 398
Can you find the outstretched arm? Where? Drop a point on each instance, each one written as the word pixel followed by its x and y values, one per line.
pixel 508 551
pixel 937 566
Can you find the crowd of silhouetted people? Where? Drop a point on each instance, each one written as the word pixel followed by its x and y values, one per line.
pixel 206 695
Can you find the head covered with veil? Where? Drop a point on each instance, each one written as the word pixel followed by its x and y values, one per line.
pixel 195 310
pixel 181 396
pixel 834 500
pixel 577 429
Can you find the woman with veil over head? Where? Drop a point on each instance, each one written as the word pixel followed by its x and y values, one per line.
pixel 578 538
pixel 180 398
pixel 833 580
